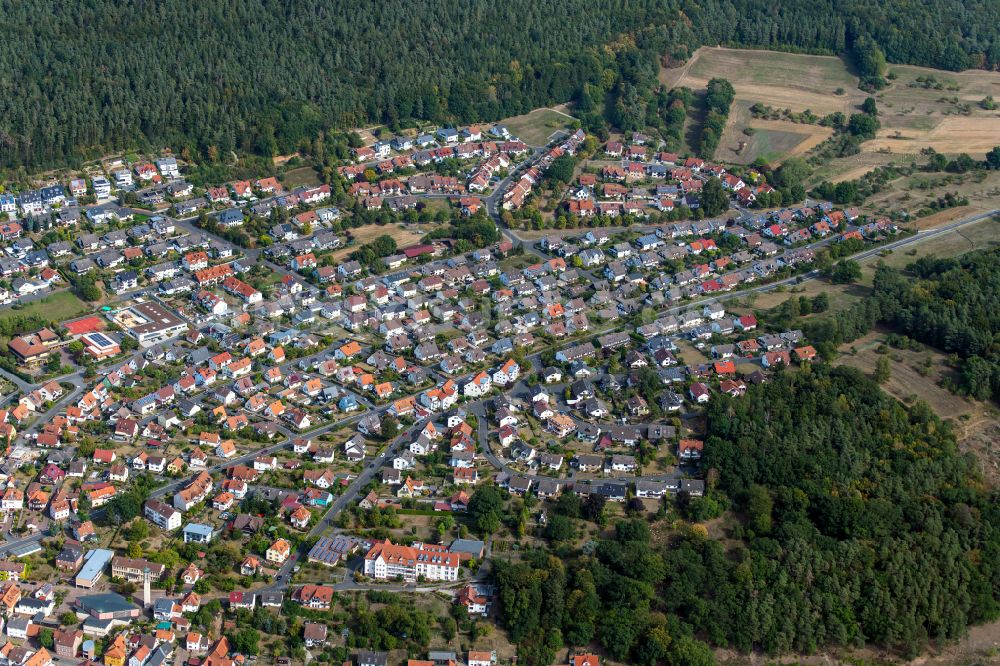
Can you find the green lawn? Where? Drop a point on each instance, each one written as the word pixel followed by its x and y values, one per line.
pixel 57 307
pixel 536 127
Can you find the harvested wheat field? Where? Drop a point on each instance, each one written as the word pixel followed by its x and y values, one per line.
pixel 955 134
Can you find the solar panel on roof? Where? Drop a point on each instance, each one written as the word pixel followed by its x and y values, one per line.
pixel 101 340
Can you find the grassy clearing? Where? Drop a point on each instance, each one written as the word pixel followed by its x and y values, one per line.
pixel 687 354
pixel 780 80
pixel 976 236
pixel 772 140
pixel 946 216
pixel 915 375
pixel 536 127
pixel 957 134
pixel 768 143
pixel 855 166
pixel 517 262
pixel 435 205
pixel 841 295
pixel 301 177
pixel 59 306
pixel 919 190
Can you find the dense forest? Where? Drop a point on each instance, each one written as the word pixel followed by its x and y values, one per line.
pixel 857 522
pixel 267 77
pixel 863 522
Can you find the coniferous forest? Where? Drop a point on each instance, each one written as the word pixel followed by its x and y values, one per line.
pixel 263 76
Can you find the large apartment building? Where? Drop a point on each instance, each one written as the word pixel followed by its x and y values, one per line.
pixel 387 560
pixel 162 515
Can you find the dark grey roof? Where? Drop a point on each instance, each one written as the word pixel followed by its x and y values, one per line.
pixel 107 602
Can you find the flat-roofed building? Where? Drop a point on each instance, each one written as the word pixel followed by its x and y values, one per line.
pixel 93 567
pixel 150 323
pixel 107 606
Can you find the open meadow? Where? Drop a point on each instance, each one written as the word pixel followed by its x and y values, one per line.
pixel 918 192
pixel 301 177
pixel 537 127
pixel 747 139
pixel 58 306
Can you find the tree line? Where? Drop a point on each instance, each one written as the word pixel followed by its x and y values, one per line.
pixel 718 98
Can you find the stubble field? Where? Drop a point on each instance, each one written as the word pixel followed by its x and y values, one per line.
pixel 941 111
